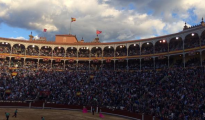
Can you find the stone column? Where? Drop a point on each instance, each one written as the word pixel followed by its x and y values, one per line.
pixel 140 63
pixel 154 62
pixel 184 60
pixel 168 60
pixel 201 60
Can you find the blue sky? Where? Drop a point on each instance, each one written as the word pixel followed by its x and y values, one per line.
pixel 119 20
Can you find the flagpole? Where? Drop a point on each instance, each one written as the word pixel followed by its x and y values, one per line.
pixel 70 28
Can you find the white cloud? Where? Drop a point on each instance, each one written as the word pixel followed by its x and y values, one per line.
pixel 20 38
pixel 114 18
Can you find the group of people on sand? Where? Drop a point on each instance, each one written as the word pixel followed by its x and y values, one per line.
pixel 7 114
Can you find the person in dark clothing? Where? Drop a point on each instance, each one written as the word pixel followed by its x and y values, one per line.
pixel 15 114
pixel 93 111
pixel 7 115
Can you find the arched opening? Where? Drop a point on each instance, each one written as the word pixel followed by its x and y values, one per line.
pixel 161 62
pixel 31 63
pixel 32 50
pixel 58 64
pixel 176 44
pixel 120 64
pixel 147 64
pixel 5 47
pixel 84 52
pixel 96 52
pixel 133 50
pixel 70 64
pixel 18 49
pixel 134 64
pixel 203 58
pixel 44 64
pixel 4 61
pixel 59 52
pixel 108 51
pixel 46 51
pixel 121 51
pixel 147 48
pixel 191 41
pixel 108 64
pixel 17 62
pixel 95 65
pixel 203 38
pixel 192 59
pixel 83 65
pixel 176 61
pixel 71 52
pixel 161 46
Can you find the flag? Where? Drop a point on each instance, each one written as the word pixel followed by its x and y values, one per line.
pixel 14 73
pixel 98 32
pixel 73 19
pixel 44 30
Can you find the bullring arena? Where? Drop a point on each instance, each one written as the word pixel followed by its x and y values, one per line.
pixel 36 114
pixel 154 78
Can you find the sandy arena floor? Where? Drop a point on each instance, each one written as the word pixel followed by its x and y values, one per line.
pixel 35 114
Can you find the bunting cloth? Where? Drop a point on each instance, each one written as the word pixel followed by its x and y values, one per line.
pixel 85 110
pixel 73 19
pixel 57 60
pixel 101 115
pixel 14 73
pixel 98 32
pixel 44 30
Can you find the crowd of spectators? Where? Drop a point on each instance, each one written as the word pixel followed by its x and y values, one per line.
pixel 191 43
pixel 46 51
pixel 18 49
pixel 34 51
pixel 59 52
pixel 161 47
pixel 176 45
pixel 5 49
pixel 72 53
pixel 171 93
pixel 121 52
pixel 147 49
pixel 83 53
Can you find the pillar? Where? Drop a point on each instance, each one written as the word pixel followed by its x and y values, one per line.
pixel 9 61
pixel 168 60
pixel 114 64
pixel 38 64
pixel 142 116
pixel 127 65
pixel 76 65
pixel 51 63
pixel 154 62
pixel 89 65
pixel 201 60
pixel 29 105
pixel 140 64
pixel 64 64
pixel 24 62
pixel 43 105
pixel 184 60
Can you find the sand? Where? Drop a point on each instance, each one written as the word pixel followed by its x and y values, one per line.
pixel 49 114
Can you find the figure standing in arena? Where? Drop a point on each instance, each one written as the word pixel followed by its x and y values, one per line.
pixel 15 113
pixel 93 110
pixel 42 118
pixel 7 115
